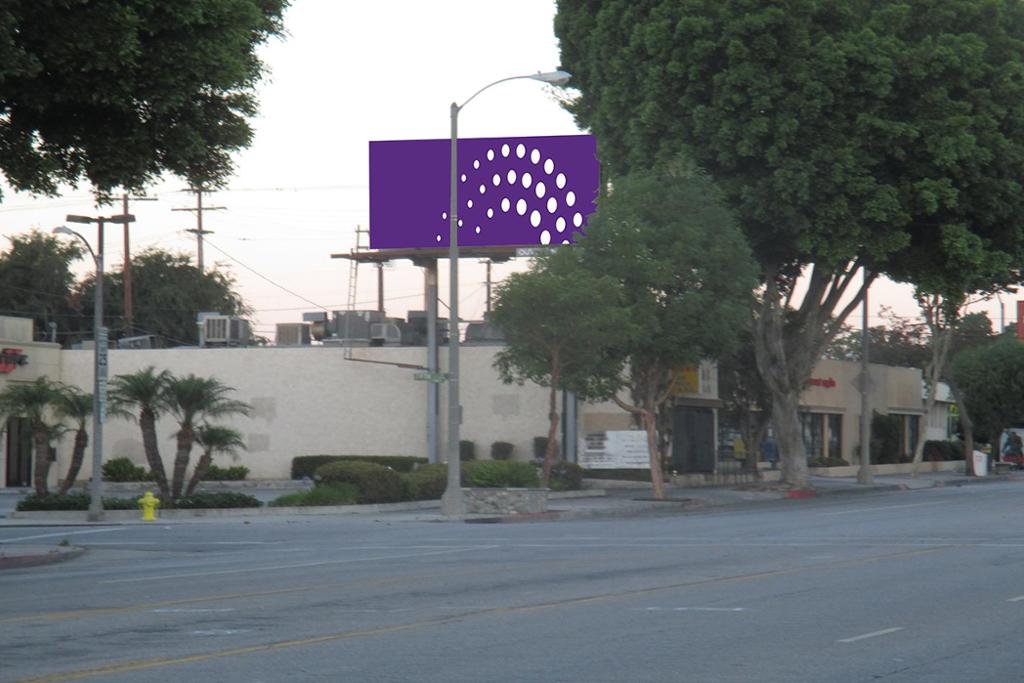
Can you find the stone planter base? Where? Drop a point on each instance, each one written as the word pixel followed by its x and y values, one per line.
pixel 504 501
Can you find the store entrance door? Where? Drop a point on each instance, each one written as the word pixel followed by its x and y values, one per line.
pixel 19 452
pixel 693 440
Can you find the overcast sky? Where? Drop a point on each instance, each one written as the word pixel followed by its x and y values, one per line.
pixel 346 74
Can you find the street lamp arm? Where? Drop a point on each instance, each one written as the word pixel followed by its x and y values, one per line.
pixel 552 77
pixel 62 230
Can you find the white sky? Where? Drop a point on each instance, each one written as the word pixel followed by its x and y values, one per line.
pixel 346 74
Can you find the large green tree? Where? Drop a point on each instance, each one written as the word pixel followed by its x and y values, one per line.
pixel 565 327
pixel 850 135
pixel 169 292
pixel 687 278
pixel 35 279
pixel 116 92
pixel 991 382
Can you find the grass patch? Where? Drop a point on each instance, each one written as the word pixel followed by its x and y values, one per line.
pixel 340 493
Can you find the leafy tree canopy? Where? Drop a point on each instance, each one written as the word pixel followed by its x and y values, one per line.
pixel 119 91
pixel 35 278
pixel 888 131
pixel 991 379
pixel 168 293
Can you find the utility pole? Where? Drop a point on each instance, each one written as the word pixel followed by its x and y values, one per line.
pixel 198 230
pixel 127 271
pixel 864 474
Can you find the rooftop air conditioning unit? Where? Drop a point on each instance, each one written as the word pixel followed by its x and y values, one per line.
pixel 385 333
pixel 293 334
pixel 225 330
pixel 145 341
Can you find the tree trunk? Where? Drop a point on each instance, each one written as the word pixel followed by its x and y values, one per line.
pixel 940 353
pixel 649 420
pixel 147 422
pixel 77 458
pixel 792 454
pixel 41 468
pixel 185 439
pixel 552 446
pixel 202 467
pixel 752 431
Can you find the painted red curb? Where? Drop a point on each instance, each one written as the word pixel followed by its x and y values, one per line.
pixel 801 493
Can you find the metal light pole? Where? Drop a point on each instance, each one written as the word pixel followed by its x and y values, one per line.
pixel 99 396
pixel 864 474
pixel 451 501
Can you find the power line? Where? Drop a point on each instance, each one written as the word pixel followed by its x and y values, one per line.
pixel 264 277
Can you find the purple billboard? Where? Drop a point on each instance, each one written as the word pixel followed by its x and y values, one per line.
pixel 512 191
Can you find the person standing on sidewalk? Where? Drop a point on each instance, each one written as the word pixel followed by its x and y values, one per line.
pixel 770 450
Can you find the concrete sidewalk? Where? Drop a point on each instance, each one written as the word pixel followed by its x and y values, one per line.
pixel 622 499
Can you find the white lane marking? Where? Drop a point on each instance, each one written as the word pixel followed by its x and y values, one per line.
pixel 696 609
pixel 885 507
pixel 164 543
pixel 873 634
pixel 1016 599
pixel 63 533
pixel 221 632
pixel 297 566
pixel 168 610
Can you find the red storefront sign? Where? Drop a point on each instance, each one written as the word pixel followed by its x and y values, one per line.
pixel 826 382
pixel 11 358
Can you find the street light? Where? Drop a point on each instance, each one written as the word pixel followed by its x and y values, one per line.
pixel 99 394
pixel 451 501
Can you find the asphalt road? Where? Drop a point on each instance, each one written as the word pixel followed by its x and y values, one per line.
pixel 905 586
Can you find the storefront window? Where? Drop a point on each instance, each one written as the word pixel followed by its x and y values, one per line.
pixel 835 436
pixel 811 428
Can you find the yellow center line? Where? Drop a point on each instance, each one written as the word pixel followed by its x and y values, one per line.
pixel 157 662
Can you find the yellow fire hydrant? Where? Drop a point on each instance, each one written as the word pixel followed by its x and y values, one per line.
pixel 148 504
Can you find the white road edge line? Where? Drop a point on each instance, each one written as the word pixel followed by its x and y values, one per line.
pixel 873 634
pixel 885 507
pixel 301 565
pixel 1016 599
pixel 62 533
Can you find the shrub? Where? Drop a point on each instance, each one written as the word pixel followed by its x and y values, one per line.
pixel 220 499
pixel 566 476
pixel 234 473
pixel 943 450
pixel 827 462
pixel 427 482
pixel 626 474
pixel 540 448
pixel 306 465
pixel 324 494
pixel 70 501
pixel 500 474
pixel 123 469
pixel 467 450
pixel 502 450
pixel 376 483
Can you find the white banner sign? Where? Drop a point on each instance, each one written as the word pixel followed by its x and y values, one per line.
pixel 614 450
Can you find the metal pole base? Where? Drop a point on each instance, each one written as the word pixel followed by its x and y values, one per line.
pixel 452 504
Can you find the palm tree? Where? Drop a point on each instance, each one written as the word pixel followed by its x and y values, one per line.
pixel 144 391
pixel 71 403
pixel 31 401
pixel 214 439
pixel 191 399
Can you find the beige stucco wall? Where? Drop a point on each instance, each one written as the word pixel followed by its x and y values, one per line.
pixel 312 401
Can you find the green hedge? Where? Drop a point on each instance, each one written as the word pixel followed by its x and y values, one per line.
pixel 375 483
pixel 500 474
pixel 225 499
pixel 340 493
pixel 234 473
pixel 943 450
pixel 467 450
pixel 123 469
pixel 71 501
pixel 426 483
pixel 306 465
pixel 566 476
pixel 827 462
pixel 624 474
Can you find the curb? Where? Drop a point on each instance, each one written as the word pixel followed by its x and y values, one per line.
pixel 58 554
